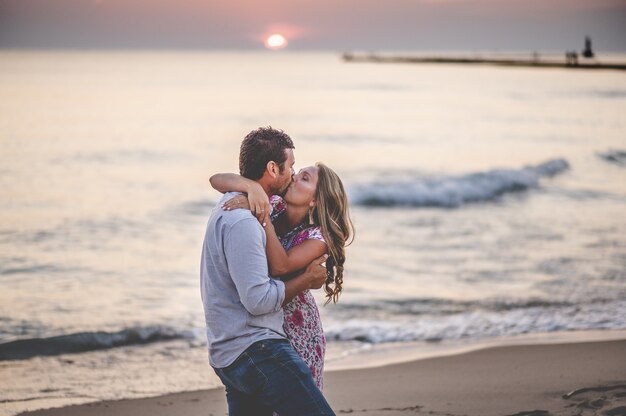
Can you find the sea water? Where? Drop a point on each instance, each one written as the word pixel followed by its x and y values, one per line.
pixel 488 202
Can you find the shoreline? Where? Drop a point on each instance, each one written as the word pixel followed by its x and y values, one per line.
pixel 528 373
pixel 379 355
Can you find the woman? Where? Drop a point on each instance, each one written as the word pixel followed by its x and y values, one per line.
pixel 311 219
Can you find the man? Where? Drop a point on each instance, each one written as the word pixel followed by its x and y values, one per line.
pixel 248 350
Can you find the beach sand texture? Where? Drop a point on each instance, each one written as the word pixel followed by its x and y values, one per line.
pixel 586 378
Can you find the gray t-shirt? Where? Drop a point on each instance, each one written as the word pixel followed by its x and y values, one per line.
pixel 242 304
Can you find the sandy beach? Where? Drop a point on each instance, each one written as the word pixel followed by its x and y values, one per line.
pixel 581 378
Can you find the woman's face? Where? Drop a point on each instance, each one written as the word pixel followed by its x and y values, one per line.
pixel 302 189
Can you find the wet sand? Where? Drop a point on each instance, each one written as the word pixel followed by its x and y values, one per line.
pixel 584 378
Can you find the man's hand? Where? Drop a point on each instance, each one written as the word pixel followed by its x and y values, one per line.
pixel 313 278
pixel 317 271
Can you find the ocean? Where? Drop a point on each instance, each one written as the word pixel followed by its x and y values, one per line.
pixel 488 203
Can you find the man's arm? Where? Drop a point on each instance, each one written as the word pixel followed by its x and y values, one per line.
pixel 247 265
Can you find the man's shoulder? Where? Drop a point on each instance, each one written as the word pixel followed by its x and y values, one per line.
pixel 227 196
pixel 237 217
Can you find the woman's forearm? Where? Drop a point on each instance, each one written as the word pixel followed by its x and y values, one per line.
pixel 277 257
pixel 258 201
pixel 231 182
pixel 283 262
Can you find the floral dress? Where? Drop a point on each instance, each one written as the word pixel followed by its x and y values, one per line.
pixel 303 325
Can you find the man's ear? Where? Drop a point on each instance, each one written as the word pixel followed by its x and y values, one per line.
pixel 272 169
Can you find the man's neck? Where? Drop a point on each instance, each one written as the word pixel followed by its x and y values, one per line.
pixel 266 186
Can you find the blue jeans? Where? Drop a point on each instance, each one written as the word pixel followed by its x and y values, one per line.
pixel 270 376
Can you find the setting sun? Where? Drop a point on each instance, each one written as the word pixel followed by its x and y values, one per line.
pixel 275 41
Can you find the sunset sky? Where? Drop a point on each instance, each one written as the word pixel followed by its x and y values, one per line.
pixel 506 25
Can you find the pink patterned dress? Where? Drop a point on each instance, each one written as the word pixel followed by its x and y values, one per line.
pixel 303 325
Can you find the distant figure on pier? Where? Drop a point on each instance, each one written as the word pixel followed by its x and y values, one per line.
pixel 587 52
pixel 571 58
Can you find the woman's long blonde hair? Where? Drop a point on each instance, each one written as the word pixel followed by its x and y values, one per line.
pixel 331 214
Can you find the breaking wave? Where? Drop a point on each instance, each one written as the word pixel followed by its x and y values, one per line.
pixel 481 323
pixel 616 157
pixel 454 191
pixel 87 341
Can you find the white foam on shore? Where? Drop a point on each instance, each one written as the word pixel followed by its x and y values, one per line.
pixel 351 356
pixel 405 321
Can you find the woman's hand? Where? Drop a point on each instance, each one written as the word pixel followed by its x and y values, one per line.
pixel 259 203
pixel 236 202
pixel 256 201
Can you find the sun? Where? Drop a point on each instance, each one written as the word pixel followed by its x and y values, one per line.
pixel 275 41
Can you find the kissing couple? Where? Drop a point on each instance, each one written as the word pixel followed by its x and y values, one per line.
pixel 264 249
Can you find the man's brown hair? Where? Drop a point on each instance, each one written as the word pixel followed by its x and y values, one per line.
pixel 261 146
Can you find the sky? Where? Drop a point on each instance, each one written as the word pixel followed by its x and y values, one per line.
pixel 338 25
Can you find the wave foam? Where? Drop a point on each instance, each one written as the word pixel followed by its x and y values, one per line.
pixel 87 341
pixel 617 157
pixel 478 324
pixel 455 191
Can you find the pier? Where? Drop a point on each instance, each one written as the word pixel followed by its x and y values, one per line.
pixel 531 62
